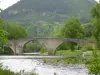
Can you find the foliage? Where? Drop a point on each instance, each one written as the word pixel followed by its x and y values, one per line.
pixel 56 30
pixel 43 50
pixel 3 35
pixel 95 11
pixel 55 73
pixel 32 46
pixel 67 46
pixel 15 31
pixel 30 13
pixel 71 57
pixel 94 65
pixel 6 72
pixel 41 29
pixel 9 72
pixel 96 32
pixel 63 46
pixel 69 52
pixel 72 29
pixel 88 29
pixel 6 51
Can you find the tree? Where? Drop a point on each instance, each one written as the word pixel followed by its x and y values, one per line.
pixel 72 29
pixel 88 29
pixel 15 31
pixel 3 35
pixel 95 13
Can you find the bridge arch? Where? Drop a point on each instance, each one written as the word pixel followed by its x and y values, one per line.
pixel 7 51
pixel 37 46
pixel 65 43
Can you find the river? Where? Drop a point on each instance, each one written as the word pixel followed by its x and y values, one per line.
pixel 36 65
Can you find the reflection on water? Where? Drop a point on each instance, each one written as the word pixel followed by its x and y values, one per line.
pixel 42 69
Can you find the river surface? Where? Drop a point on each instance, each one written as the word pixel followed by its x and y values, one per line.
pixel 36 65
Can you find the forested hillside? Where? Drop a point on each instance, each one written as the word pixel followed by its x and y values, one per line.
pixel 42 17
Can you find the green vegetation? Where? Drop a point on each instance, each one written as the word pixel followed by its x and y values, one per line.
pixel 3 33
pixel 94 65
pixel 88 30
pixel 33 46
pixel 95 13
pixel 48 19
pixel 3 36
pixel 9 32
pixel 15 31
pixel 40 18
pixel 43 51
pixel 72 29
pixel 71 57
pixel 69 52
pixel 8 72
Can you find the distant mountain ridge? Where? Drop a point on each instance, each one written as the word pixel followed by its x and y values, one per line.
pixel 40 12
pixel 57 10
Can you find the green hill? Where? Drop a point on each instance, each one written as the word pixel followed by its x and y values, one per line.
pixel 44 15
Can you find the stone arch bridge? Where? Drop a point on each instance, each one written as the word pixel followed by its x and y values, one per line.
pixel 50 43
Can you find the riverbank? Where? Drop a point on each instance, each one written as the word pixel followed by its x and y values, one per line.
pixel 72 57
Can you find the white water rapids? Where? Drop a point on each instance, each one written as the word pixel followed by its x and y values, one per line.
pixel 33 65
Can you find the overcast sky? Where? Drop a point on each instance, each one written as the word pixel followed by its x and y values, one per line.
pixel 6 3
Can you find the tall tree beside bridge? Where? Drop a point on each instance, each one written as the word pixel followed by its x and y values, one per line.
pixel 95 13
pixel 3 35
pixel 72 29
pixel 15 31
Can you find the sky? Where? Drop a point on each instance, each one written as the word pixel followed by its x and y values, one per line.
pixel 6 3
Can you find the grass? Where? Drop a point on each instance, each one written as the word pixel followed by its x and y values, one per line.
pixel 74 57
pixel 9 72
pixel 69 52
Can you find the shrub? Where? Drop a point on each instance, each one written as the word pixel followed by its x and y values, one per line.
pixel 43 50
pixel 94 66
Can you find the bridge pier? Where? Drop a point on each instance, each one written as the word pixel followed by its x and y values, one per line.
pixel 51 45
pixel 17 46
pixel 51 51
